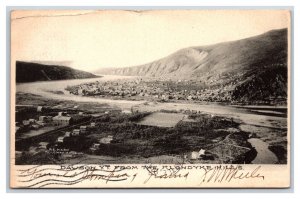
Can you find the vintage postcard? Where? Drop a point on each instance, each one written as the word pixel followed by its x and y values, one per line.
pixel 150 99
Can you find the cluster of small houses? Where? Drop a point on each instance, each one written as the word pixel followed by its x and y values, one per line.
pixel 81 131
pixel 143 89
pixel 59 120
pixel 33 124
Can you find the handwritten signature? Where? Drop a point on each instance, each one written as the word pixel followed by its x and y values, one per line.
pixel 221 174
pixel 41 176
pixel 155 173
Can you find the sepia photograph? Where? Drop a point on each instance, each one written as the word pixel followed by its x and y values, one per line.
pixel 146 98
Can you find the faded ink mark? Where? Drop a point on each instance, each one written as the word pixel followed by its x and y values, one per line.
pixel 139 12
pixel 59 15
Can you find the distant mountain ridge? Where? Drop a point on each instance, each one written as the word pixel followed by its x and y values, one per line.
pixel 225 57
pixel 31 72
pixel 254 68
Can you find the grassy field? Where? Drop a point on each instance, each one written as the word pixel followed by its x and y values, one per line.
pixel 135 143
pixel 162 119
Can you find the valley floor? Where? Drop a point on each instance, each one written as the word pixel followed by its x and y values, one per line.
pixel 152 132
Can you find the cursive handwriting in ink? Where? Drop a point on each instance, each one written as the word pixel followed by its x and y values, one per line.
pixel 227 174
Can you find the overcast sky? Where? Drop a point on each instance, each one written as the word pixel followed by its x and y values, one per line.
pixel 96 39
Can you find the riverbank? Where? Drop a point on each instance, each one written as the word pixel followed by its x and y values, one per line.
pixel 271 129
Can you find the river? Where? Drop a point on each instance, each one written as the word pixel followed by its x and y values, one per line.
pixel 250 121
pixel 46 88
pixel 263 153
